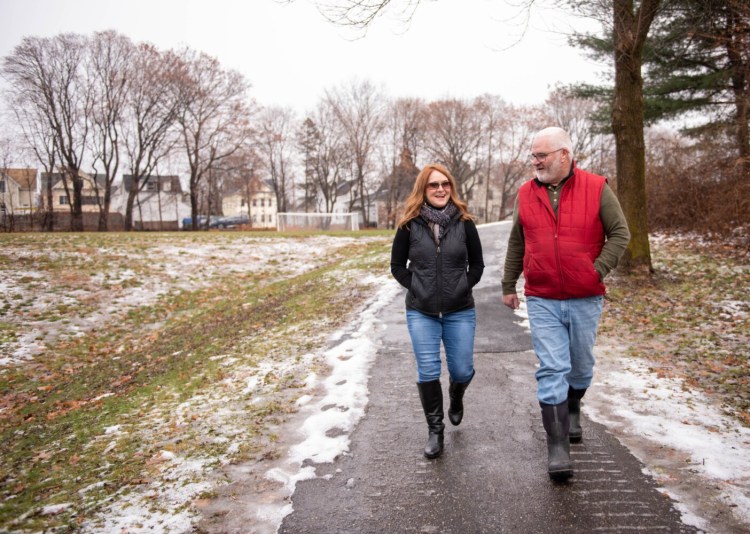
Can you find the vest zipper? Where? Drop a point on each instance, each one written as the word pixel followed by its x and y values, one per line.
pixel 439 265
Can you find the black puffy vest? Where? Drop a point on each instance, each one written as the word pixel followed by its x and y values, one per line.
pixel 438 283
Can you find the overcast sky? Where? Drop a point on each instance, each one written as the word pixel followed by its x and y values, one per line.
pixel 290 54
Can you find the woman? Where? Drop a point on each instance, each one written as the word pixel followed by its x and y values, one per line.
pixel 438 238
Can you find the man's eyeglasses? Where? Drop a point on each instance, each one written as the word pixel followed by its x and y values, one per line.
pixel 541 156
pixel 434 186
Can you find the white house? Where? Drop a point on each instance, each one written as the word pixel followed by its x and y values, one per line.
pixel 17 191
pixel 160 204
pixel 257 202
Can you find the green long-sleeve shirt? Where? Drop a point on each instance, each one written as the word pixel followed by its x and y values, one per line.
pixel 615 230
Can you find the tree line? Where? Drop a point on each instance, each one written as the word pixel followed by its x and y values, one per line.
pixel 668 58
pixel 104 103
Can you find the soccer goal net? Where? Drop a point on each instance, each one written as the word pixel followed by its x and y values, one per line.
pixel 286 222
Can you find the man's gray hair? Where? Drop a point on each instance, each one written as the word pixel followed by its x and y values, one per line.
pixel 557 136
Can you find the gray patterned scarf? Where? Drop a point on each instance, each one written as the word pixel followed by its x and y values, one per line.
pixel 438 219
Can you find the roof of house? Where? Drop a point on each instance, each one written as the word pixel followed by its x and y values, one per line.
pixel 173 180
pixel 101 179
pixel 265 187
pixel 25 178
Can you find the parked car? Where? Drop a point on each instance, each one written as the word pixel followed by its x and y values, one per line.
pixel 228 222
pixel 216 221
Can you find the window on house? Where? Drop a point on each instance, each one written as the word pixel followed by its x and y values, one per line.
pixel 88 201
pixel 64 200
pixel 255 202
pixel 2 186
pixel 242 203
pixel 151 185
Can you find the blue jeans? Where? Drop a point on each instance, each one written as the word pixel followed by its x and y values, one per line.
pixel 563 333
pixel 456 331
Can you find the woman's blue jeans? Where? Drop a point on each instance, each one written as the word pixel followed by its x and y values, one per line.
pixel 563 333
pixel 456 331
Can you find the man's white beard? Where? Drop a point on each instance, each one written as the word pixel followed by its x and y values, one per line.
pixel 544 176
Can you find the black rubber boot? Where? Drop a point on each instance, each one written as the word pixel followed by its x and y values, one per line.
pixel 456 393
pixel 556 424
pixel 574 411
pixel 431 395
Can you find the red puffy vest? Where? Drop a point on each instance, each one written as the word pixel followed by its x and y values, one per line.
pixel 560 249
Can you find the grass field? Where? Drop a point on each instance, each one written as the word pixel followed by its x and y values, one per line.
pixel 122 352
pixel 121 348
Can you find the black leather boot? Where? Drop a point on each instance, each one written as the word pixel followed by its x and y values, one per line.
pixel 456 393
pixel 431 395
pixel 556 424
pixel 574 413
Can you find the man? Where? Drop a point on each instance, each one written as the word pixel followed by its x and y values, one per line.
pixel 568 233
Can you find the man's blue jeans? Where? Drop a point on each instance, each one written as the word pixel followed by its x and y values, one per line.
pixel 563 333
pixel 456 331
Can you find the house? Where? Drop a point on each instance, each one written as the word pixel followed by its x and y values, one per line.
pixel 91 193
pixel 257 202
pixel 160 204
pixel 346 194
pixel 17 191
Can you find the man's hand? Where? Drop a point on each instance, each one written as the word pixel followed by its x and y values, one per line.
pixel 511 301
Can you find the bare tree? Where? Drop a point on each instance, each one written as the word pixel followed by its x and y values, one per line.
pixel 403 131
pixel 46 79
pixel 629 22
pixel 243 174
pixel 151 112
pixel 358 107
pixel 360 13
pixel 403 128
pixel 492 108
pixel 43 145
pixel 109 68
pixel 214 117
pixel 276 143
pixel 455 137
pixel 325 157
pixel 7 200
pixel 592 147
pixel 516 129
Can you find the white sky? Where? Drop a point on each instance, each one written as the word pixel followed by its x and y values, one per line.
pixel 290 54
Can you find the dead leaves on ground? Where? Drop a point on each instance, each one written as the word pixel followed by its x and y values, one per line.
pixel 691 318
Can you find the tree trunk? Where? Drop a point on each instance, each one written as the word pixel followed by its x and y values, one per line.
pixel 740 85
pixel 76 214
pixel 130 202
pixel 630 30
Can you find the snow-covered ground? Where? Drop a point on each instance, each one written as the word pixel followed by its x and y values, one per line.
pixel 699 456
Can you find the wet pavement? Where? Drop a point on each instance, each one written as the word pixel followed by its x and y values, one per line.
pixel 492 475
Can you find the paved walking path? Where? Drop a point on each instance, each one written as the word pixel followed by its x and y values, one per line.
pixel 492 475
